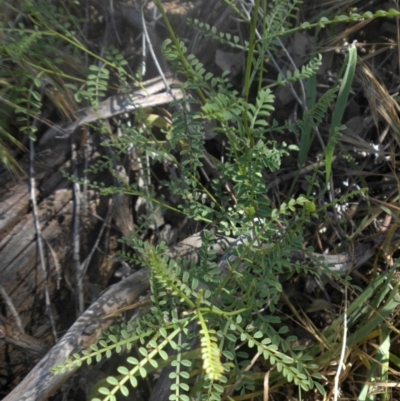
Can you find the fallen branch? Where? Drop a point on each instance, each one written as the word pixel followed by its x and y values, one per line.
pixel 119 104
pixel 40 383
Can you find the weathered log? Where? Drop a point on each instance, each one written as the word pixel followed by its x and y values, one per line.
pixel 14 207
pixel 11 334
pixel 40 383
pixel 20 272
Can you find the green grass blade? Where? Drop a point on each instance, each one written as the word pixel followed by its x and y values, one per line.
pixel 340 106
pixel 379 371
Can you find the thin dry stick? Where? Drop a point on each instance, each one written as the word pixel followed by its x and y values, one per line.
pixel 153 55
pixel 144 184
pixel 337 227
pixel 57 264
pixel 266 386
pixel 106 220
pixel 113 22
pixel 39 237
pixel 76 236
pixel 144 49
pixel 7 300
pixel 122 210
pixel 343 352
pixel 398 35
pixel 229 391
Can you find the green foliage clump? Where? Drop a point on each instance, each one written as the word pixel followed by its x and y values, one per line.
pixel 217 305
pixel 209 319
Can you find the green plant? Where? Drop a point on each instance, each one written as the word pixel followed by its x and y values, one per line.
pixel 228 308
pixel 27 77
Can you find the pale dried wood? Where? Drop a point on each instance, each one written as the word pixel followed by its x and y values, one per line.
pixel 40 383
pixel 23 233
pixel 13 207
pixel 21 277
pixel 19 272
pixel 119 104
pixel 122 206
pixel 11 334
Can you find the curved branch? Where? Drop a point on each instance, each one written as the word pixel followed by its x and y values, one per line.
pixel 40 382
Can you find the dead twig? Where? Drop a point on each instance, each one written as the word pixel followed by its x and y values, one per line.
pixel 39 237
pixel 147 96
pixel 336 391
pixel 76 237
pixel 86 262
pixel 10 305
